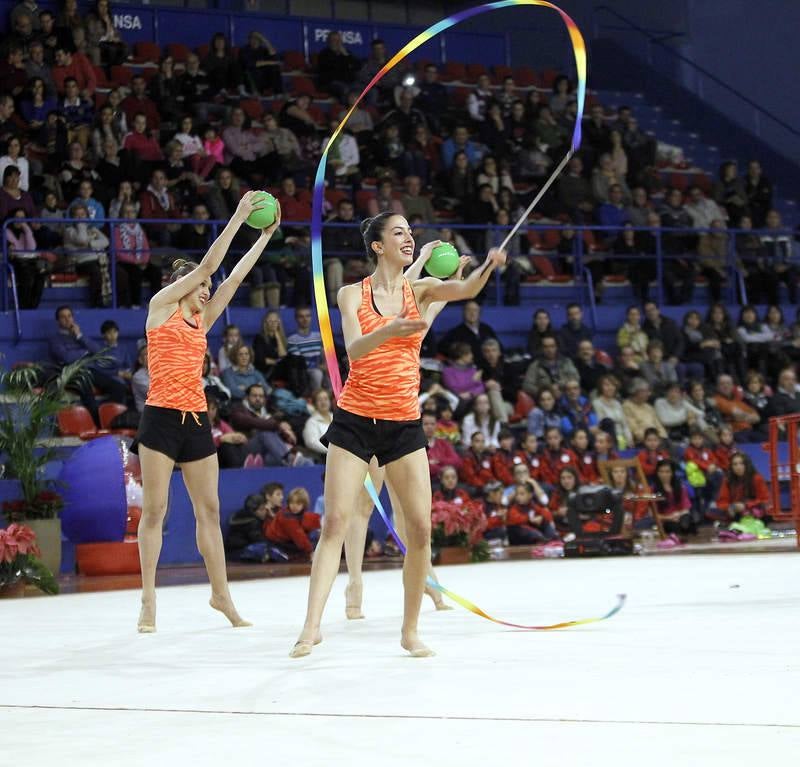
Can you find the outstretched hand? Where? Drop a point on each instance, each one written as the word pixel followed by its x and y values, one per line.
pixel 246 206
pixel 401 326
pixel 270 230
pixel 463 263
pixel 496 257
pixel 427 249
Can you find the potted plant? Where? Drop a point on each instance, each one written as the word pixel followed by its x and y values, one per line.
pixel 27 424
pixel 457 532
pixel 20 565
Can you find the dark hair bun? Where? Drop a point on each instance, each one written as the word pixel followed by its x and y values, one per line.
pixel 178 263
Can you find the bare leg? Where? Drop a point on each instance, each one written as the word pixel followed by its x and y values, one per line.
pixel 410 477
pixel 400 526
pixel 201 478
pixel 156 473
pixel 344 475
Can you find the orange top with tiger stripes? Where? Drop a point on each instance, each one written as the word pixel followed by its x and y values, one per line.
pixel 175 354
pixel 384 384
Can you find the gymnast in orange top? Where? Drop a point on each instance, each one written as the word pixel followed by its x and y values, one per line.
pixel 378 413
pixel 174 428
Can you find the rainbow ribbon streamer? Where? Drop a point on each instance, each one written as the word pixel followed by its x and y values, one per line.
pixel 323 314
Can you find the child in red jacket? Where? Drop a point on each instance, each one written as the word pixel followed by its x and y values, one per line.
pixel 702 456
pixel 725 448
pixel 744 491
pixel 476 470
pixel 555 457
pixel 530 455
pixel 653 453
pixel 295 529
pixel 526 521
pixel 587 463
pixel 495 511
pixel 503 458
pixel 448 488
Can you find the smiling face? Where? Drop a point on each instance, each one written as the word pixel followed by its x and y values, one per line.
pixel 195 301
pixel 396 246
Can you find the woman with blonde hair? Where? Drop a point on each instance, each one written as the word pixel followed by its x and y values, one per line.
pixel 270 345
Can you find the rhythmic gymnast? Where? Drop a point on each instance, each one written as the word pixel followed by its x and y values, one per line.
pixel 175 428
pixel 356 537
pixel 378 414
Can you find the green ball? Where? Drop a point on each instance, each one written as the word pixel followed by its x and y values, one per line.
pixel 443 261
pixel 261 219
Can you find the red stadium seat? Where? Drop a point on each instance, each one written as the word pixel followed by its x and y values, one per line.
pixel 108 412
pixel 523 406
pixel 178 51
pixel 547 77
pixel 76 421
pixel 303 85
pixel 501 72
pixel 145 51
pixel 524 77
pixel 121 75
pixel 252 108
pixel 295 61
pixel 454 70
pixel 474 71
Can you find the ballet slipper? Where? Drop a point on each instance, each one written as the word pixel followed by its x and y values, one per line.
pixel 303 647
pixel 147 619
pixel 225 606
pixel 352 598
pixel 438 602
pixel 415 647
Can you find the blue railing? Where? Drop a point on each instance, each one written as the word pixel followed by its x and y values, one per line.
pixel 758 112
pixel 581 277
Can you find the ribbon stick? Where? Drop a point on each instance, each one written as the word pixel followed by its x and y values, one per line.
pixel 323 314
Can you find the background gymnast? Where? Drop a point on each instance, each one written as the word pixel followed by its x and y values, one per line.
pixel 174 427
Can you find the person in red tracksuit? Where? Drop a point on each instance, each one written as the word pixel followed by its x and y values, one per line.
pixel 744 491
pixel 527 521
pixel 476 470
pixel 568 482
pixel 448 488
pixel 503 458
pixel 495 511
pixel 529 455
pixel 633 495
pixel 725 448
pixel 555 457
pixel 652 453
pixel 699 453
pixel 294 528
pixel 587 462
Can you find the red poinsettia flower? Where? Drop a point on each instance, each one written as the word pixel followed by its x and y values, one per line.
pixel 25 538
pixel 8 547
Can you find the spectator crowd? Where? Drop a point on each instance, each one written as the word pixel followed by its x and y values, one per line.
pixel 86 134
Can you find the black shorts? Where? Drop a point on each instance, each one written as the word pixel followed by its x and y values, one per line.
pixel 365 437
pixel 175 433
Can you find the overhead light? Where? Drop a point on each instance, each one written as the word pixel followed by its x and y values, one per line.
pixel 409 80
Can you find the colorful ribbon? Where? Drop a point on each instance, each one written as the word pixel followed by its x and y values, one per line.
pixel 323 315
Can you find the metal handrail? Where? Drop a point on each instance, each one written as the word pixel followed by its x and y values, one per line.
pixel 17 317
pixel 215 225
pixel 702 70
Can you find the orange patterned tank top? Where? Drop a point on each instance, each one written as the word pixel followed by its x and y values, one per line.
pixel 384 384
pixel 175 354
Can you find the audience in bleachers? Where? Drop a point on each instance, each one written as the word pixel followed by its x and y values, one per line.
pixel 85 130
